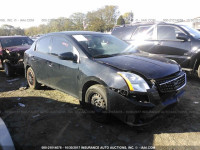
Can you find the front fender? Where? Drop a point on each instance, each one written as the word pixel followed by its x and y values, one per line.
pixel 111 81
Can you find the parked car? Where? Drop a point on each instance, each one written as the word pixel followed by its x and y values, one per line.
pixel 106 74
pixel 178 42
pixel 12 52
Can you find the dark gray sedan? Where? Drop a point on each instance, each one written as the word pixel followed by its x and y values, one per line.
pixel 106 74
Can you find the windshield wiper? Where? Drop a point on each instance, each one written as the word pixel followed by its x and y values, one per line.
pixel 103 56
pixel 111 55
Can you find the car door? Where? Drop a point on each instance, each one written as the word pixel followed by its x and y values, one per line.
pixel 40 57
pixel 169 46
pixel 144 38
pixel 62 74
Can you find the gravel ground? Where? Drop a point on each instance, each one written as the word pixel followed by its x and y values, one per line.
pixel 48 117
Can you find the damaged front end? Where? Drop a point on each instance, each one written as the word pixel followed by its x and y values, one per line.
pixel 13 58
pixel 12 50
pixel 140 108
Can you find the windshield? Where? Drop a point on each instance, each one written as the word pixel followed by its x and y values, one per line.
pixel 193 32
pixel 103 45
pixel 15 41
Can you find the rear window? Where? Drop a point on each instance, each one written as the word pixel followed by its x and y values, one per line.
pixel 123 33
pixel 16 41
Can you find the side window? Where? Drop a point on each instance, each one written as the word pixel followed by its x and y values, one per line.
pixel 168 32
pixel 144 32
pixel 60 45
pixel 43 45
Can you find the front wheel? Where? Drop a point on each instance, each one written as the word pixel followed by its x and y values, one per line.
pixel 31 79
pixel 8 69
pixel 96 96
pixel 1 64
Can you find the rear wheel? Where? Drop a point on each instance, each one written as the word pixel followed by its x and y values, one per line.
pixel 8 69
pixel 31 79
pixel 96 96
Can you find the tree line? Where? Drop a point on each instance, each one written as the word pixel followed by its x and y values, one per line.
pixel 6 30
pixel 100 20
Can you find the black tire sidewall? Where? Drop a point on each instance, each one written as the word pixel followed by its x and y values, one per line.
pixel 7 69
pixel 96 89
pixel 99 89
pixel 1 63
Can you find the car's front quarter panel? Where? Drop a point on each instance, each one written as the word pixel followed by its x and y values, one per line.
pixel 90 70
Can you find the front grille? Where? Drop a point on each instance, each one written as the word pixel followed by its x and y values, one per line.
pixel 171 84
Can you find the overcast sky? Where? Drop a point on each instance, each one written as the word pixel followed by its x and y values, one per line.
pixel 15 10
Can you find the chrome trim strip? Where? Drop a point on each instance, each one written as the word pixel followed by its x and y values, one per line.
pixel 173 79
pixel 183 84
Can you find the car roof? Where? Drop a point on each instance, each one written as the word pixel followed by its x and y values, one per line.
pixel 76 33
pixel 147 23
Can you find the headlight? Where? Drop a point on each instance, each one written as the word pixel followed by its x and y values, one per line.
pixel 134 82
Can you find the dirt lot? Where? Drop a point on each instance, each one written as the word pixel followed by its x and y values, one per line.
pixel 48 117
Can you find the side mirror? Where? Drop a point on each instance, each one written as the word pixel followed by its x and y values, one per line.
pixel 182 36
pixel 68 56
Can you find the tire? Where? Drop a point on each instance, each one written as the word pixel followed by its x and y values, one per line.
pixel 198 71
pixel 31 79
pixel 1 66
pixel 8 69
pixel 97 98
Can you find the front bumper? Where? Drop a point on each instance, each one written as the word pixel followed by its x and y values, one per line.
pixel 137 113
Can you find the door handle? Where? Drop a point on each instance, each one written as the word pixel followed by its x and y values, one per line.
pixel 157 43
pixel 33 58
pixel 50 64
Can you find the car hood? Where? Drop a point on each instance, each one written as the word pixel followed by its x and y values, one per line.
pixel 148 65
pixel 17 48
